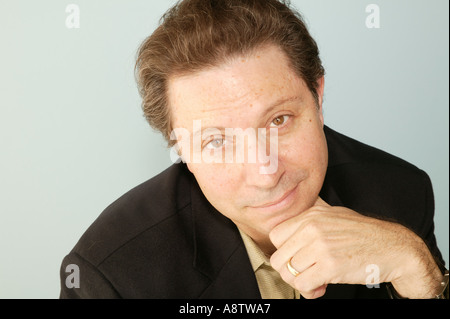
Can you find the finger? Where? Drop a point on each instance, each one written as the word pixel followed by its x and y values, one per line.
pixel 299 249
pixel 303 260
pixel 290 276
pixel 282 232
pixel 311 283
pixel 317 293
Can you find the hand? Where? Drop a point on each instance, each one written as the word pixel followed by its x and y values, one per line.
pixel 331 245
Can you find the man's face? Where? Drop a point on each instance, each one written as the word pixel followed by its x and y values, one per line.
pixel 256 91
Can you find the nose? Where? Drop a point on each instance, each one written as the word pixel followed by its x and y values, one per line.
pixel 265 171
pixel 254 177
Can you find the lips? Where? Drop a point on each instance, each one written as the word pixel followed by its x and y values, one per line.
pixel 286 196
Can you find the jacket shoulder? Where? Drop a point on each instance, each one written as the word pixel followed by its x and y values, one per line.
pixel 138 210
pixel 377 183
pixel 346 150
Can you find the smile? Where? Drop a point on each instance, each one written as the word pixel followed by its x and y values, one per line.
pixel 283 202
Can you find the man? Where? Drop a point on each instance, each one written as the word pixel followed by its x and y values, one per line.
pixel 316 217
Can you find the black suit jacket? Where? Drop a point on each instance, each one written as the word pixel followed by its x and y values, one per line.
pixel 163 239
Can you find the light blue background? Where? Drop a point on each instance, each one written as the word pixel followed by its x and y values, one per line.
pixel 73 138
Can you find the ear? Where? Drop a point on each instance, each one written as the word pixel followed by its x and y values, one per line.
pixel 320 90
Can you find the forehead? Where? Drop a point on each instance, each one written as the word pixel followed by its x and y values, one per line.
pixel 234 93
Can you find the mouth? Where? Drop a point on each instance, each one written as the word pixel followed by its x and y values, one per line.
pixel 283 202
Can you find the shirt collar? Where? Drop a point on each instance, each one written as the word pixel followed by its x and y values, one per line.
pixel 255 254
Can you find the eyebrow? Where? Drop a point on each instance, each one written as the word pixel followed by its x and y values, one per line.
pixel 281 101
pixel 277 103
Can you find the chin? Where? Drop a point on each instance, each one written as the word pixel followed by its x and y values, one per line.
pixel 281 218
pixel 295 210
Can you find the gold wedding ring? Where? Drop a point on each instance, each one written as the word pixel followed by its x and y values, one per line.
pixel 291 269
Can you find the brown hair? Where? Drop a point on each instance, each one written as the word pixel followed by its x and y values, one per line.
pixel 197 34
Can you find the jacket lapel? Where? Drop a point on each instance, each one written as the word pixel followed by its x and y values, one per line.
pixel 219 252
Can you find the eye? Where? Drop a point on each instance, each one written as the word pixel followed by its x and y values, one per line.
pixel 216 143
pixel 279 120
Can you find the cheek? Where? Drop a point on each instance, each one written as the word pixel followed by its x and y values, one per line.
pixel 306 149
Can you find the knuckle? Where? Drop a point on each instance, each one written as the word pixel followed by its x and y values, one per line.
pixel 313 227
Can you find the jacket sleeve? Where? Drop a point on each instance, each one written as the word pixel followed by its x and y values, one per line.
pixel 82 280
pixel 427 225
